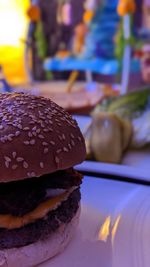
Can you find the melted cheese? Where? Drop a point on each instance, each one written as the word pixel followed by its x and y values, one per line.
pixel 13 222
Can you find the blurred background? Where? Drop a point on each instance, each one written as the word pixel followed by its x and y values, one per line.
pixel 92 57
pixel 13 30
pixel 34 31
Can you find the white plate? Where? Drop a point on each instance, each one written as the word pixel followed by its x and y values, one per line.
pixel 85 249
pixel 126 172
pixel 113 229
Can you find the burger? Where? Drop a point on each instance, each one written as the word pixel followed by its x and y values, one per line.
pixel 39 188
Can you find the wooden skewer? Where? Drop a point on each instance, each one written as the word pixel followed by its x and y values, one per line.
pixel 71 81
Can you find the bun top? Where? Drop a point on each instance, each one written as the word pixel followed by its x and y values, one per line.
pixel 36 137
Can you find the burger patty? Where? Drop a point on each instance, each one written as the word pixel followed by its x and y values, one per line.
pixel 42 228
pixel 21 197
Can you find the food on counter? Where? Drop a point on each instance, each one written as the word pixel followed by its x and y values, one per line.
pixel 109 137
pixel 127 132
pixel 127 106
pixel 105 140
pixel 134 107
pixel 39 189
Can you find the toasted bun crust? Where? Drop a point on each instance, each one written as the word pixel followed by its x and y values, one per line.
pixel 41 251
pixel 36 137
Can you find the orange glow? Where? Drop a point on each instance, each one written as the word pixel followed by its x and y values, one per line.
pixel 104 230
pixel 107 230
pixel 115 227
pixel 126 7
pixel 13 21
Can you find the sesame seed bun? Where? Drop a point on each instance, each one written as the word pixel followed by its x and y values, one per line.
pixel 36 253
pixel 36 137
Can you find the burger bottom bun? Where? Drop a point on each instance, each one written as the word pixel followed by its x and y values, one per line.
pixel 40 251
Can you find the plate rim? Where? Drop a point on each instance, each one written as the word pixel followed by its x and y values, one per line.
pixel 124 171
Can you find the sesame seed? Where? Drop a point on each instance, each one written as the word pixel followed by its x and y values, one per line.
pixel 9 138
pixel 69 146
pixel 25 165
pixel 38 130
pixel 46 130
pixel 19 159
pixel 72 135
pixel 49 116
pixel 26 128
pixel 50 129
pixel 19 126
pixel 42 117
pixel 79 138
pixel 73 143
pixel 63 137
pixel 45 150
pixel 62 119
pixel 60 138
pixel 26 142
pixel 42 165
pixel 17 133
pixel 45 144
pixel 52 143
pixel 7 164
pixel 7 158
pixel 57 159
pixel 14 167
pixel 41 136
pixel 34 128
pixel 58 151
pixel 14 154
pixel 29 134
pixel 2 139
pixel 65 149
pixel 5 137
pixel 1 127
pixel 32 142
pixel 34 134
